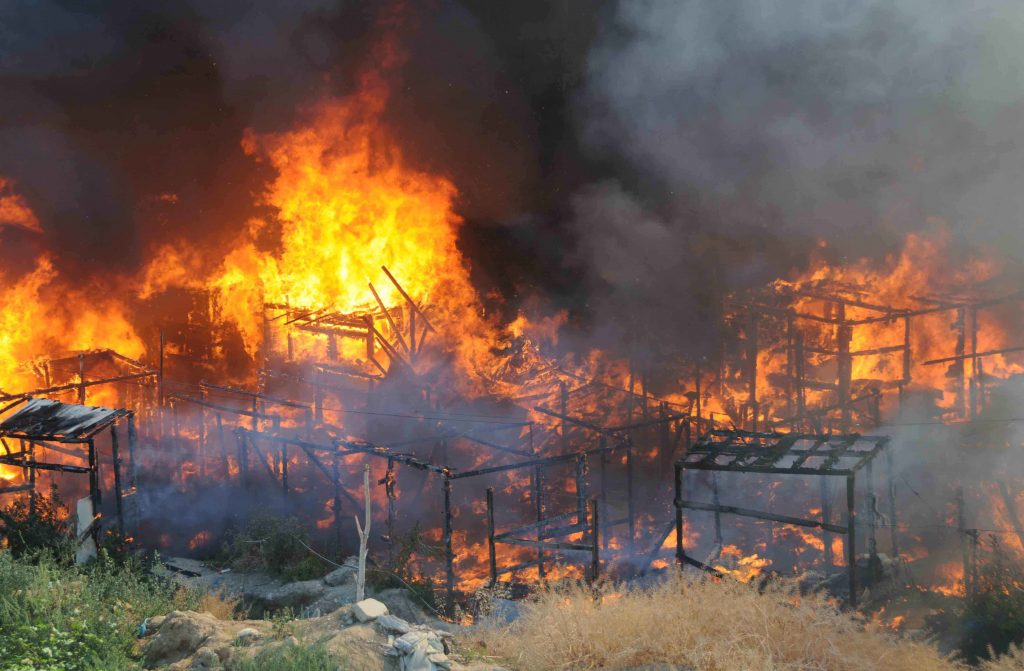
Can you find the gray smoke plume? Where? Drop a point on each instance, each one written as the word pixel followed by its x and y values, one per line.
pixel 745 131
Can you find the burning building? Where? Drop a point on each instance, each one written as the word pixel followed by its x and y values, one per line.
pixel 349 276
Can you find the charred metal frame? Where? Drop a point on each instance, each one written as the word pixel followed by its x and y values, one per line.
pixel 789 454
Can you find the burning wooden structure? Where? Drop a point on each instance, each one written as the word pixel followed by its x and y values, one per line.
pixel 822 456
pixel 44 429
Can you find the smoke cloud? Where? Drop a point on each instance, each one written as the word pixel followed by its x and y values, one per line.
pixel 741 133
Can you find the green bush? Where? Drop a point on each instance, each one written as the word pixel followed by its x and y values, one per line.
pixel 994 610
pixel 290 658
pixel 70 618
pixel 275 545
pixel 42 527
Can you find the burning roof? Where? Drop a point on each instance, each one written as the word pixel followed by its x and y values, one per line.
pixel 43 419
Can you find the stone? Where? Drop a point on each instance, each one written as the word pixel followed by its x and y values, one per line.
pixel 204 659
pixel 331 600
pixel 294 594
pixel 247 636
pixel 180 634
pixel 393 625
pixel 369 609
pixel 342 575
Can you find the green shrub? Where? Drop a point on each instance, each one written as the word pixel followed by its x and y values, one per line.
pixel 71 618
pixel 43 527
pixel 290 658
pixel 275 545
pixel 994 610
pixel 400 569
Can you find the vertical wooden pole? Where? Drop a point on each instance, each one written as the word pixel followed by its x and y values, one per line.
pixel 223 445
pixel 905 382
pixel 698 401
pixel 974 383
pixel 752 369
pixel 718 514
pixel 563 407
pixel 826 517
pixel 132 452
pixel 336 481
pixel 960 364
pixel 243 459
pixel 94 476
pixel 961 517
pixel 449 552
pixel 581 490
pixel 678 502
pixel 870 505
pixel 595 548
pixel 31 474
pixel 851 538
pixel 538 496
pixel 492 557
pixel 115 454
pixel 630 502
pixel 81 379
pixel 284 467
pixel 844 336
pixel 891 486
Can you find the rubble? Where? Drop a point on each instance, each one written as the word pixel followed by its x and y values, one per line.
pixel 369 609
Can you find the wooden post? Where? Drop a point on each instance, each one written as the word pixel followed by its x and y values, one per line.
pixel 118 492
pixel 449 553
pixel 94 476
pixel 223 445
pixel 960 364
pixel 630 502
pixel 81 379
pixel 564 398
pixel 284 467
pixel 595 548
pixel 698 402
pixel 538 496
pixel 718 514
pixel 870 505
pixel 964 534
pixel 493 561
pixel 678 502
pixel 31 474
pixel 336 480
pixel 891 486
pixel 581 490
pixel 364 537
pixel 844 336
pixel 664 439
pixel 752 368
pixel 243 459
pixel 851 538
pixel 906 361
pixel 603 443
pixel 826 517
pixel 975 382
pixel 160 374
pixel 132 444
pixel 799 371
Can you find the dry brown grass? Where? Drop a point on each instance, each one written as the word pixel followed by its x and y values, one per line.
pixel 699 624
pixel 220 605
pixel 1011 661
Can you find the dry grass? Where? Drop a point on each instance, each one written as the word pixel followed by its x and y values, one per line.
pixel 220 605
pixel 1011 661
pixel 699 624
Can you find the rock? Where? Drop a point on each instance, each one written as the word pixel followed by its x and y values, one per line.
pixel 294 594
pixel 247 636
pixel 422 650
pixel 401 603
pixel 205 658
pixel 345 574
pixel 331 600
pixel 290 642
pixel 369 609
pixel 393 625
pixel 180 634
pixel 152 624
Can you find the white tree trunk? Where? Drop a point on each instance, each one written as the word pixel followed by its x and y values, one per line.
pixel 364 538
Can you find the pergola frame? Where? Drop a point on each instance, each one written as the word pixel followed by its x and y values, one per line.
pixel 733 451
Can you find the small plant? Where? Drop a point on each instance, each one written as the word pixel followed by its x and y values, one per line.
pixel 275 545
pixel 290 658
pixel 400 569
pixel 993 618
pixel 40 526
pixel 282 623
